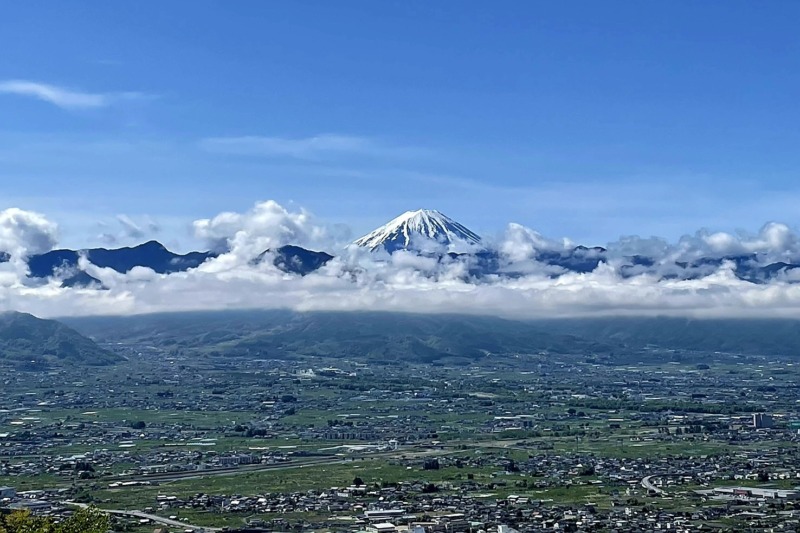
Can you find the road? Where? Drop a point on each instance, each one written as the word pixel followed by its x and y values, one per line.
pixel 233 471
pixel 300 463
pixel 161 520
pixel 250 468
pixel 153 518
pixel 646 483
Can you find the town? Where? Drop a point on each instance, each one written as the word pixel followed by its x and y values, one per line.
pixel 171 442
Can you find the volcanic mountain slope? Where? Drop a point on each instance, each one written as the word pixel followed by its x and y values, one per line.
pixel 430 232
pixel 421 230
pixel 30 341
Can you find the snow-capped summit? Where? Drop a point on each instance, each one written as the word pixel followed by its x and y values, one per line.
pixel 421 230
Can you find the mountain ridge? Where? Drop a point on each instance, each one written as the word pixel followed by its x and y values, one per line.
pixel 32 342
pixel 376 337
pixel 386 337
pixel 425 232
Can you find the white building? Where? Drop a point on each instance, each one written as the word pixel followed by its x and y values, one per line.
pixel 383 527
pixel 756 493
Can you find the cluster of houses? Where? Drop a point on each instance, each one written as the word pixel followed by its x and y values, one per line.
pixel 736 431
pixel 406 507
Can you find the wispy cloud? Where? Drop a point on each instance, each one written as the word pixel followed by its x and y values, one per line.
pixel 303 148
pixel 63 97
pixel 130 230
pixel 314 147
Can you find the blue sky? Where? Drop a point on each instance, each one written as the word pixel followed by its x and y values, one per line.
pixel 590 120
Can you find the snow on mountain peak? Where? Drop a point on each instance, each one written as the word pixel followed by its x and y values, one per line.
pixel 417 230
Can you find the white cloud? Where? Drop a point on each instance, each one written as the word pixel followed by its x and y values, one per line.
pixel 24 232
pixel 267 225
pixel 520 243
pixel 773 237
pixel 63 97
pixel 401 286
pixel 359 280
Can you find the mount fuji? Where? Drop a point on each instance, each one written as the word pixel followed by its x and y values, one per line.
pixel 423 230
pixel 430 233
pixel 433 234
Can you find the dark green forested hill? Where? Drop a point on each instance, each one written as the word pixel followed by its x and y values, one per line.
pixel 733 336
pixel 377 337
pixel 442 338
pixel 27 339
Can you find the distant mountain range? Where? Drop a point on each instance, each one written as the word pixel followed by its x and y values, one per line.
pixel 152 254
pixel 424 232
pixel 381 338
pixel 387 338
pixel 65 265
pixel 294 259
pixel 31 342
pixel 431 233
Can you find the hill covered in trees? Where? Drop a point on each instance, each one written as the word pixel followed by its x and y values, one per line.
pixel 28 340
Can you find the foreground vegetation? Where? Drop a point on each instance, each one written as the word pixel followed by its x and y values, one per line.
pixel 83 521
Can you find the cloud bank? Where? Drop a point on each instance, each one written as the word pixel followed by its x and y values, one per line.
pixel 357 280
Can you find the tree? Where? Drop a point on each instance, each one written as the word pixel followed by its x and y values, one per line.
pixel 431 464
pixel 23 522
pixel 430 488
pixel 358 481
pixel 88 520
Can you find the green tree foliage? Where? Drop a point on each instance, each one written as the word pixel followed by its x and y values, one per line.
pixel 87 520
pixel 32 341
